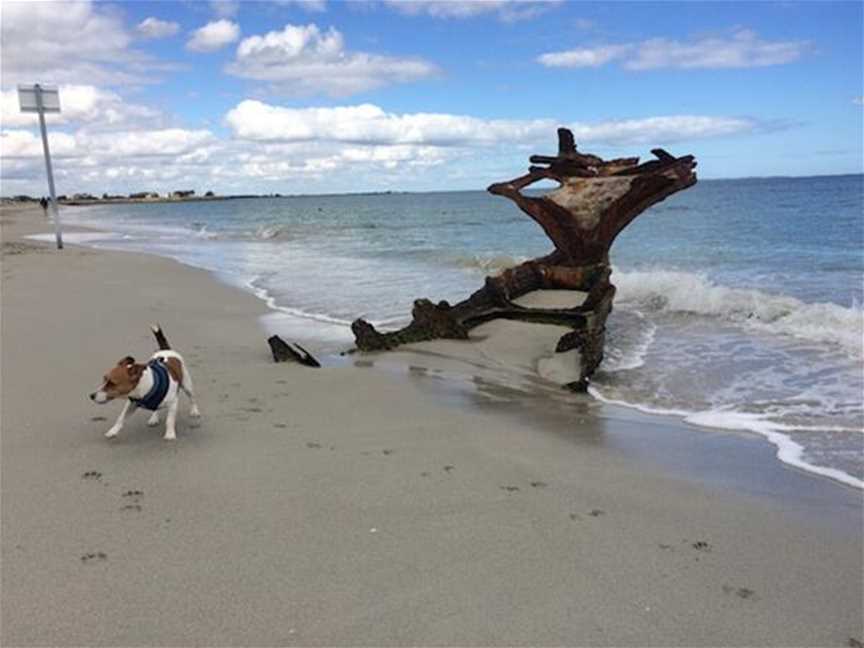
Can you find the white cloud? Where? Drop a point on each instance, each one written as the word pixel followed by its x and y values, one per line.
pixel 301 60
pixel 225 8
pixel 64 42
pixel 585 57
pixel 24 144
pixel 858 100
pixel 661 130
pixel 106 146
pixel 368 124
pixel 274 148
pixel 213 36
pixel 312 6
pixel 506 10
pixel 81 104
pixel 743 49
pixel 154 28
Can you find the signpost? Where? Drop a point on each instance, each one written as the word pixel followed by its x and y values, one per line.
pixel 39 99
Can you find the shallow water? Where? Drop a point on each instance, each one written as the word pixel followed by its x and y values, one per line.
pixel 739 301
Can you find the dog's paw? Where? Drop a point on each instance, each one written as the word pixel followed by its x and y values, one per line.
pixel 195 412
pixel 153 421
pixel 170 436
pixel 110 434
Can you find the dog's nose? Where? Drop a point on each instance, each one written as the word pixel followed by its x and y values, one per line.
pixel 93 396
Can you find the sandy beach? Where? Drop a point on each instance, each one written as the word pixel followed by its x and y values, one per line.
pixel 392 500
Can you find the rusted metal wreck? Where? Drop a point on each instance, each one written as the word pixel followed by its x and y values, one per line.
pixel 595 201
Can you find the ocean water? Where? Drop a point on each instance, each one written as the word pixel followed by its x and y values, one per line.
pixel 739 302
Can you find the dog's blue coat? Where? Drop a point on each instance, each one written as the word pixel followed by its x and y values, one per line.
pixel 161 381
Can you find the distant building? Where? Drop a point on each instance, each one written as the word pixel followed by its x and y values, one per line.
pixel 144 195
pixel 84 196
pixel 187 193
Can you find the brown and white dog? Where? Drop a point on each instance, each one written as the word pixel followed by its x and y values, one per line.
pixel 153 386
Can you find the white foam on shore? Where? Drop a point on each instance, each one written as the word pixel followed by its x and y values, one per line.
pixel 624 360
pixel 788 451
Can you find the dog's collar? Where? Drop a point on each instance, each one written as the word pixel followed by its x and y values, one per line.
pixel 161 381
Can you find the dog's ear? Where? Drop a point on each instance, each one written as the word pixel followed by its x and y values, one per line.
pixel 128 360
pixel 134 370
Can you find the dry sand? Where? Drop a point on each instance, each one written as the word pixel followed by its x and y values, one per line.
pixel 388 506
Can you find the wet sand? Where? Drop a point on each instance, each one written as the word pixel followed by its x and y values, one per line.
pixel 412 502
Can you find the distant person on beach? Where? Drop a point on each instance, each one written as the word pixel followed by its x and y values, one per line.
pixel 44 203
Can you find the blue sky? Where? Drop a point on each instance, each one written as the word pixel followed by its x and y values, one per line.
pixel 317 95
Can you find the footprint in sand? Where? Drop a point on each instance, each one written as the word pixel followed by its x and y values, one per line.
pixel 509 489
pixel 740 592
pixel 313 444
pixel 596 512
pixel 538 484
pixel 92 474
pixel 449 469
pixel 99 556
pixel 701 545
pixel 98 418
pixel 133 497
pixel 280 425
pixel 387 452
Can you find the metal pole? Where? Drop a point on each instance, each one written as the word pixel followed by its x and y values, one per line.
pixel 58 234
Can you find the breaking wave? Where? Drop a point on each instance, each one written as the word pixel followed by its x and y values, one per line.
pixel 271 232
pixel 685 292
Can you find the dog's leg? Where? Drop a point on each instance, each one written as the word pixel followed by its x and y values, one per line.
pixel 127 410
pixel 189 390
pixel 171 420
pixel 153 421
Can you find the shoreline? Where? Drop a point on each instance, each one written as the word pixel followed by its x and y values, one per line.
pixel 347 506
pixel 787 451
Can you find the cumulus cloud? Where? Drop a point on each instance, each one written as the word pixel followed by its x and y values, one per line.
pixel 743 49
pixel 506 10
pixel 82 104
pixel 273 147
pixel 106 146
pixel 213 36
pixel 303 60
pixel 26 144
pixel 368 124
pixel 154 28
pixel 66 42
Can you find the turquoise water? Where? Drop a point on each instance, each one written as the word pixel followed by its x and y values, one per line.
pixel 739 303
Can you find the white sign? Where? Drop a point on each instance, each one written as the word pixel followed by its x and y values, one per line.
pixel 29 102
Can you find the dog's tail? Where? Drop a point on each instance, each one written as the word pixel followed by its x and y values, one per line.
pixel 160 338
